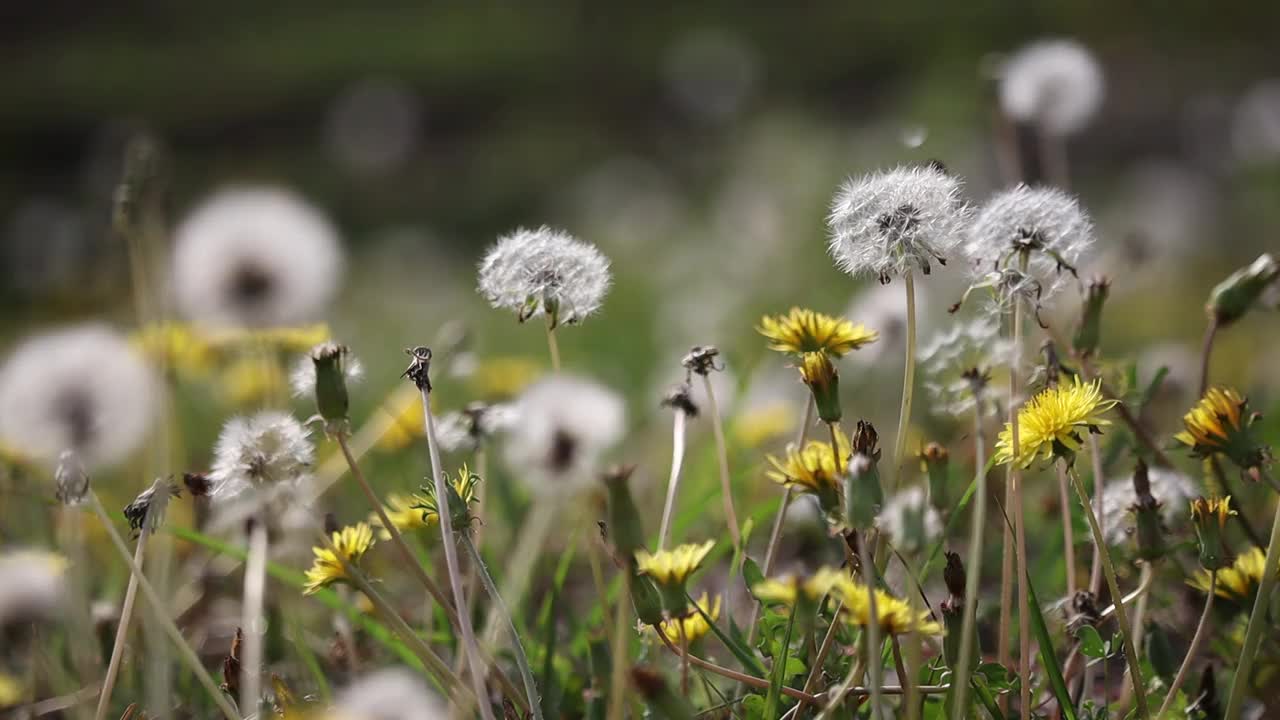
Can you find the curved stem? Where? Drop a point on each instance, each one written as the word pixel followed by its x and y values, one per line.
pixel 820 659
pixel 835 446
pixel 1068 535
pixel 722 454
pixel 1206 352
pixel 1122 619
pixel 1019 526
pixel 161 613
pixel 553 345
pixel 743 678
pixel 122 629
pixel 974 574
pixel 252 620
pixel 478 668
pixel 908 377
pixel 1257 618
pixel 673 482
pixel 1196 640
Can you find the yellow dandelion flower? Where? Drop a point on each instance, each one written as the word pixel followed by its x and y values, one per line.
pixel 790 589
pixel 1209 515
pixel 753 428
pixel 805 331
pixel 349 544
pixel 466 484
pixel 402 514
pixel 1204 510
pixel 12 691
pixel 1220 423
pixel 249 380
pixel 1051 422
pixel 1237 582
pixel 285 339
pixel 893 615
pixel 673 567
pixel 502 378
pixel 402 421
pixel 176 346
pixel 693 624
pixel 812 469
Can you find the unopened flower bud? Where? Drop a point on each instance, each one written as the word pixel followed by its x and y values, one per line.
pixel 71 478
pixel 626 529
pixel 1233 297
pixel 863 496
pixel 934 460
pixel 331 381
pixel 1146 512
pixel 954 575
pixel 1209 515
pixel 818 372
pixel 1089 331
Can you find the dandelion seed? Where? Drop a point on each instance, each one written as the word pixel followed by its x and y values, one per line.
pixel 82 389
pixel 32 585
pixel 1029 237
pixel 349 546
pixel 909 520
pixel 1056 84
pixel 260 449
pixel 957 364
pixel 392 694
pixel 145 511
pixel 1050 423
pixel 255 257
pixel 544 272
pixel 889 223
pixel 565 425
pixel 1171 488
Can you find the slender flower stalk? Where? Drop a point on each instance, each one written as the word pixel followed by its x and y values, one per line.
pixel 1257 619
pixel 974 574
pixel 1019 529
pixel 1194 648
pixel 252 620
pixel 722 456
pixel 478 668
pixel 775 534
pixel 681 403
pixel 872 631
pixel 1109 572
pixel 908 376
pixel 159 610
pixel 553 344
pixel 1206 352
pixel 1068 534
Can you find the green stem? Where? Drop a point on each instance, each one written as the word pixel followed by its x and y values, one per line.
pixel 158 609
pixel 553 345
pixel 252 621
pixel 122 628
pixel 1257 618
pixel 908 378
pixel 722 454
pixel 1109 572
pixel 873 643
pixel 1194 648
pixel 522 660
pixel 974 574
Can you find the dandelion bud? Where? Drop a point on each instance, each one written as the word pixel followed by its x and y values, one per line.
pixel 954 575
pixel 1209 515
pixel 1146 512
pixel 863 496
pixel 1089 332
pixel 645 598
pixel 1221 424
pixel 147 510
pixel 818 372
pixel 934 460
pixel 331 367
pixel 626 529
pixel 1233 297
pixel 71 478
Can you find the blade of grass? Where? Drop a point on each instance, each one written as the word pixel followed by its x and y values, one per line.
pixel 778 675
pixel 308 658
pixel 740 651
pixel 953 521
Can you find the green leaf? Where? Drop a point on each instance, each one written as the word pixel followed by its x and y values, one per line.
pixel 985 697
pixel 753 707
pixel 751 576
pixel 1091 644
pixel 778 676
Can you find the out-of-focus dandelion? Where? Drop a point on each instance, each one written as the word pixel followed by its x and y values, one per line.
pixel 302 377
pixel 178 347
pixel 881 307
pixel 255 257
pixel 1055 84
pixel 391 694
pixel 891 615
pixel 955 358
pixel 1238 582
pixel 909 520
pixel 251 380
pixel 1114 505
pixel 692 625
pixel 1051 423
pixel 402 513
pixel 501 378
pixel 83 389
pixel 566 424
pixel 812 469
pixel 889 223
pixel 257 451
pixel 1221 424
pixel 349 546
pixel 466 429
pixel 792 590
pixel 680 400
pixel 33 585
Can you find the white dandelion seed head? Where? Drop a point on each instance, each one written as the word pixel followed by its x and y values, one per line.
pixel 32 585
pixel 463 430
pixel 264 449
pixel 391 694
pixel 530 271
pixel 302 377
pixel 909 520
pixel 889 223
pixel 949 355
pixel 1172 489
pixel 1045 224
pixel 883 309
pixel 1056 84
pixel 565 425
pixel 83 389
pixel 255 257
pixel 1255 124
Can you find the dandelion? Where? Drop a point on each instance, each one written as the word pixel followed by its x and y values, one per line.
pixel 792 590
pixel 251 380
pixel 503 378
pixel 806 331
pixel 673 567
pixel 692 626
pixel 391 694
pixel 83 389
pixel 1209 515
pixel 466 484
pixel 349 546
pixel 909 520
pixel 32 585
pixel 266 448
pixel 566 424
pixel 544 272
pixel 888 223
pixel 402 514
pixel 1221 424
pixel 957 366
pixel 1050 423
pixel 1237 582
pixel 891 615
pixel 1028 236
pixel 1055 84
pixel 255 257
pixel 302 377
pixel 1114 505
pixel 466 429
pixel 812 469
pixel 175 346
pixel 144 512
pixel 403 421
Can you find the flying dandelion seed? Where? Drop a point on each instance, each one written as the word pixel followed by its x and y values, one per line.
pixel 255 257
